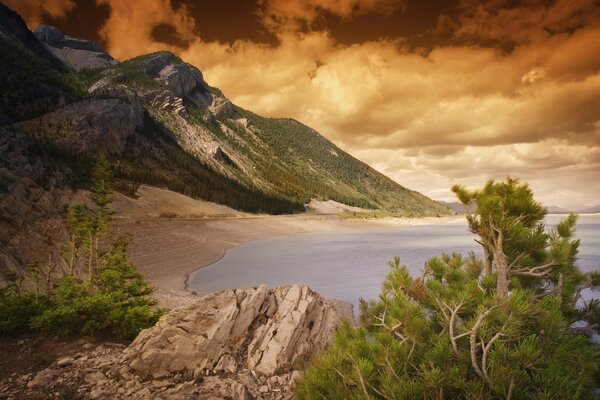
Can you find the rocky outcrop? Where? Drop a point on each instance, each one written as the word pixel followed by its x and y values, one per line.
pixel 179 78
pixel 33 197
pixel 89 127
pixel 75 53
pixel 261 330
pixel 234 344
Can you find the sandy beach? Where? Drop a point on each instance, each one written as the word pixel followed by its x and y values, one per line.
pixel 197 234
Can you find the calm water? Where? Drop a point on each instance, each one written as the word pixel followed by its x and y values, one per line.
pixel 349 265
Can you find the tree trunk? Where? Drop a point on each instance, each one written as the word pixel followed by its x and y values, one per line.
pixel 91 257
pixel 488 260
pixel 501 263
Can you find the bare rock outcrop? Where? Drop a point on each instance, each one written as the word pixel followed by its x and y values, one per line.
pixel 77 54
pixel 233 344
pixel 89 127
pixel 33 197
pixel 261 330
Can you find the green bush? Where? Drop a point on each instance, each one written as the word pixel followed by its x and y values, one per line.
pixel 94 289
pixel 17 309
pixel 116 304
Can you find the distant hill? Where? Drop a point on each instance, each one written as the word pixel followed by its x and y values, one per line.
pixel 557 210
pixel 457 207
pixel 591 210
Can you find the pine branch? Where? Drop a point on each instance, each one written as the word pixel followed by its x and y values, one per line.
pixel 473 341
pixel 488 347
pixel 539 271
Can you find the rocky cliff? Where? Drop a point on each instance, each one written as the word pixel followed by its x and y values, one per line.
pixel 75 53
pixel 233 344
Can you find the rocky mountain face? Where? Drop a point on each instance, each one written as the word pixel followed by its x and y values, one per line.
pixel 160 124
pixel 234 344
pixel 34 194
pixel 75 53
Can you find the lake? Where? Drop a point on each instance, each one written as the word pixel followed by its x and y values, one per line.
pixel 348 265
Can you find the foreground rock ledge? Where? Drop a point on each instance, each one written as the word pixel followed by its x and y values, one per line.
pixel 234 344
pixel 262 330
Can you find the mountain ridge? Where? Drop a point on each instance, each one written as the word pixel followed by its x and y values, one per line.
pixel 160 123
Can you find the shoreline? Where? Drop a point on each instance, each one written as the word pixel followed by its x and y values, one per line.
pixel 168 251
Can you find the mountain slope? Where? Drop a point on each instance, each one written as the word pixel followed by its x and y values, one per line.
pixel 161 124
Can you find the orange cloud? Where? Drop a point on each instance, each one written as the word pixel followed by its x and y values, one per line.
pixel 519 22
pixel 278 15
pixel 128 30
pixel 33 11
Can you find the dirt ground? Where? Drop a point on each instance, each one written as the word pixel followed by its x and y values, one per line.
pixel 30 353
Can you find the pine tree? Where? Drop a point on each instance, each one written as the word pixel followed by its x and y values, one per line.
pixel 97 290
pixel 459 332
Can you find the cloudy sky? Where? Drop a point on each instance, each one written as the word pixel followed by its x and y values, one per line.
pixel 430 92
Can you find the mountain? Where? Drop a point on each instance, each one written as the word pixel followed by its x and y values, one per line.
pixel 64 101
pixel 557 210
pixel 75 53
pixel 591 210
pixel 457 207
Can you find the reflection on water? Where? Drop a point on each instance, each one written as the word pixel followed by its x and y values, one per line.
pixel 352 264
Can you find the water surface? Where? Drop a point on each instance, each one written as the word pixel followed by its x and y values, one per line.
pixel 348 265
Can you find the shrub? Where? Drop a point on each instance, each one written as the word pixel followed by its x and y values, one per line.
pixel 93 289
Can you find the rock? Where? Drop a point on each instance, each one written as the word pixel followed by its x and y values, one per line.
pixel 180 78
pixel 90 126
pixel 95 377
pixel 226 364
pixel 295 376
pixel 63 362
pixel 43 378
pixel 301 326
pixel 99 393
pixel 49 35
pixel 238 391
pixel 266 329
pixel 144 393
pixel 74 53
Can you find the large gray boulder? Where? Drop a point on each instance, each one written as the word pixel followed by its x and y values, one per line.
pixel 266 331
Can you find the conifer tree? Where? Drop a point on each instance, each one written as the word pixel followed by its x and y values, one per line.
pixel 459 331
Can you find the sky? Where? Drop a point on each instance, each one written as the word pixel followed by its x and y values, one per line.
pixel 429 92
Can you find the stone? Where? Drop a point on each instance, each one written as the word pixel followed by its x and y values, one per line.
pixel 99 393
pixel 238 391
pixel 95 377
pixel 43 378
pixel 63 362
pixel 295 376
pixel 268 329
pixel 302 325
pixel 226 364
pixel 144 393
